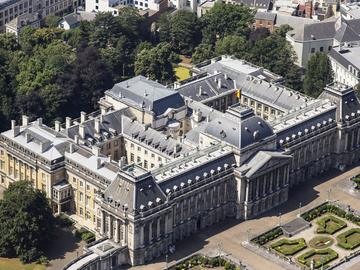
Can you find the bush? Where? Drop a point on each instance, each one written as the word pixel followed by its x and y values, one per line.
pixel 327 254
pixel 64 221
pixel 268 236
pixel 289 247
pixel 330 225
pixel 85 235
pixel 43 260
pixel 349 239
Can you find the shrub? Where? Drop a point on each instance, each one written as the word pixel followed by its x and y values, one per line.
pixel 327 254
pixel 289 247
pixel 85 235
pixel 64 221
pixel 349 239
pixel 268 236
pixel 43 260
pixel 330 225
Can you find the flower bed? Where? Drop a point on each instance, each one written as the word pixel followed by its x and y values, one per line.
pixel 320 242
pixel 320 257
pixel 289 247
pixel 268 236
pixel 330 225
pixel 349 239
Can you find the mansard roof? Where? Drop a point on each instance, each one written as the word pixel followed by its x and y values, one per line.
pixel 146 94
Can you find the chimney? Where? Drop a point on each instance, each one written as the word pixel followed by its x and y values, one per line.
pixel 71 148
pixel 235 84
pixel 13 124
pixel 225 76
pixel 82 117
pixel 76 139
pixel 67 122
pixel 25 121
pixel 219 83
pixel 82 131
pixel 122 162
pixel 28 137
pixel 39 121
pixel 109 158
pixel 175 149
pixel 57 126
pixel 200 91
pixel 95 150
pixel 15 128
pixel 97 125
pixel 98 163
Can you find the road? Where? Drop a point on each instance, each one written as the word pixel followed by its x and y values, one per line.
pixel 231 233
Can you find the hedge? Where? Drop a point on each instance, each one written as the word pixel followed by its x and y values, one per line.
pixel 344 242
pixel 205 262
pixel 268 236
pixel 328 254
pixel 326 228
pixel 85 235
pixel 291 246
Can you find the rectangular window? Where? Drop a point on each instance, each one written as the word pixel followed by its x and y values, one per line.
pixel 80 196
pixel 312 50
pixel 131 157
pixel 145 164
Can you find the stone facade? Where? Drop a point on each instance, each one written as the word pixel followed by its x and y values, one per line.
pixel 150 169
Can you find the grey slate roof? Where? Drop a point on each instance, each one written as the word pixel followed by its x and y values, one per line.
pixel 320 30
pixel 133 193
pixel 255 163
pixel 293 21
pixel 349 31
pixel 268 16
pixel 347 56
pixel 109 126
pixel 72 19
pixel 253 129
pixel 207 87
pixel 146 94
pixel 153 138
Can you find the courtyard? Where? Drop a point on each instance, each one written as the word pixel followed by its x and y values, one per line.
pixel 231 233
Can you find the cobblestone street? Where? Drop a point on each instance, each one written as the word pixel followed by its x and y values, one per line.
pixel 229 235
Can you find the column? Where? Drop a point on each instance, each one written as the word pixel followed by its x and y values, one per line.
pixel 257 187
pixel 272 176
pixel 247 191
pixel 158 228
pixel 117 238
pixel 264 185
pixel 166 224
pixel 141 235
pixel 109 227
pixel 102 222
pixel 150 231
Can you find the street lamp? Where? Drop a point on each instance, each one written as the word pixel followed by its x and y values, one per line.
pixel 166 259
pixel 280 219
pixel 329 192
pixel 299 209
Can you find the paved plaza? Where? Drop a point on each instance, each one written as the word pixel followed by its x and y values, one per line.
pixel 228 236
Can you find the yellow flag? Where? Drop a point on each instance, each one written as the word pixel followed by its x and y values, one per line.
pixel 238 93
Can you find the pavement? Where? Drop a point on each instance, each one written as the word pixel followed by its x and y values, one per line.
pixel 228 235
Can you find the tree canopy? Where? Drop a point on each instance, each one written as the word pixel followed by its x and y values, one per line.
pixel 318 74
pixel 26 222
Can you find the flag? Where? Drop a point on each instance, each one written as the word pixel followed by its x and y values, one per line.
pixel 238 93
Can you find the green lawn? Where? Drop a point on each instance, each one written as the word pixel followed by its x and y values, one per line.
pixel 289 247
pixel 319 242
pixel 330 225
pixel 320 257
pixel 15 264
pixel 349 239
pixel 181 73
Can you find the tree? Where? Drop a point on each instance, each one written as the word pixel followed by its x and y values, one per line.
pixel 258 34
pixel 26 222
pixel 86 82
pixel 231 45
pixel 226 19
pixel 52 21
pixel 181 30
pixel 156 63
pixel 203 52
pixel 318 74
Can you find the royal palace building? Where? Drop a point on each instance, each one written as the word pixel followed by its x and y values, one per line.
pixel 157 164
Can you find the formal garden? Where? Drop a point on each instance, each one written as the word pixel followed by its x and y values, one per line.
pixel 356 180
pixel 332 237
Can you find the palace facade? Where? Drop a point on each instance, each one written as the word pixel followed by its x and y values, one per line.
pixel 156 164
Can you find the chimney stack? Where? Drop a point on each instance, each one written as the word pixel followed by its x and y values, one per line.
pixel 98 163
pixel 219 83
pixel 82 131
pixel 72 148
pixel 122 162
pixel 67 122
pixel 76 139
pixel 95 150
pixel 57 126
pixel 25 121
pixel 15 128
pixel 39 121
pixel 97 125
pixel 82 117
